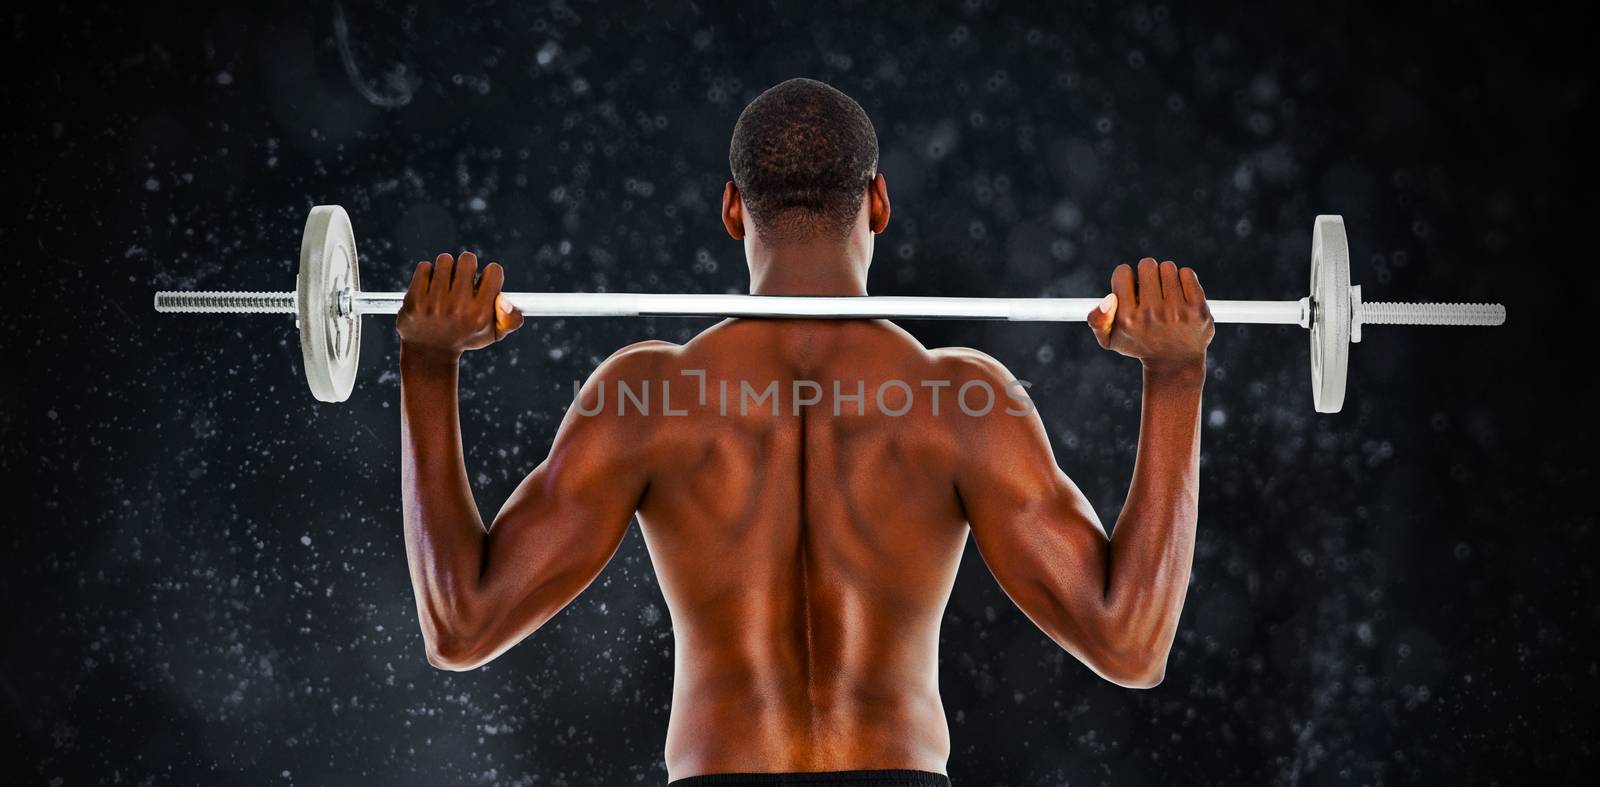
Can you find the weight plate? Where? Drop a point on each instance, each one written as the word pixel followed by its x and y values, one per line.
pixel 1330 313
pixel 329 343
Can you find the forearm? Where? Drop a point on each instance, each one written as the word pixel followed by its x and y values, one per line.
pixel 445 536
pixel 1152 546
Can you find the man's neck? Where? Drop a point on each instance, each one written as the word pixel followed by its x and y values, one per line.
pixel 806 269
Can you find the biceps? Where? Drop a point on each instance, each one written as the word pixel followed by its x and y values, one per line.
pixel 545 531
pixel 1050 536
pixel 1046 548
pixel 556 532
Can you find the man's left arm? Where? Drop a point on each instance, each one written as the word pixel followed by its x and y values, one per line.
pixel 479 591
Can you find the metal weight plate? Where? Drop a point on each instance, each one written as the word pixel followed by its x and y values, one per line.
pixel 1330 313
pixel 330 343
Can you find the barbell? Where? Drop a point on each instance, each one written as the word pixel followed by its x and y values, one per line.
pixel 328 302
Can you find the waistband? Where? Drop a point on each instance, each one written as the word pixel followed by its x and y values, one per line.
pixel 880 778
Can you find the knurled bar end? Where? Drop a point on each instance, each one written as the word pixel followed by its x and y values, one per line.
pixel 214 302
pixel 1400 313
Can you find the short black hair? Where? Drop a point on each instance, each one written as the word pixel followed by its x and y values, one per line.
pixel 802 156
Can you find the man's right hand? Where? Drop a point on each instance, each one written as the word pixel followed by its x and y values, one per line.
pixel 1159 317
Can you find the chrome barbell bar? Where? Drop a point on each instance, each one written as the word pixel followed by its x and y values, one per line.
pixel 328 302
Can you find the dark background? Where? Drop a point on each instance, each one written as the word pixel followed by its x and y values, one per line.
pixel 203 572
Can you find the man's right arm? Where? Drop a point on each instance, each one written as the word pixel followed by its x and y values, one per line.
pixel 1111 602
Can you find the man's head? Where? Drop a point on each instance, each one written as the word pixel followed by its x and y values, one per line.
pixel 804 157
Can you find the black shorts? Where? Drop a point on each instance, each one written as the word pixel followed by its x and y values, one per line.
pixel 822 779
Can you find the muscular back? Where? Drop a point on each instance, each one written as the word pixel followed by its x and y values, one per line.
pixel 805 489
pixel 806 558
pixel 806 553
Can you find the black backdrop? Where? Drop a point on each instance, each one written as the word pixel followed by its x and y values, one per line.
pixel 203 571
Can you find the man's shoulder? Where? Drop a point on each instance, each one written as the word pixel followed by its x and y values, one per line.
pixel 638 359
pixel 965 363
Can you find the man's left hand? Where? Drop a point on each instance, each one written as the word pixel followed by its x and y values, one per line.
pixel 449 309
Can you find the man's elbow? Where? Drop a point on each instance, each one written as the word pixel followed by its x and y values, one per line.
pixel 455 654
pixel 1146 676
pixel 455 633
pixel 463 643
pixel 1132 668
pixel 457 642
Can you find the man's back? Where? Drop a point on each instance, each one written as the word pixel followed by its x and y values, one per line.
pixel 806 557
pixel 805 487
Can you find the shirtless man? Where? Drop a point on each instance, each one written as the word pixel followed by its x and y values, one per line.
pixel 805 487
